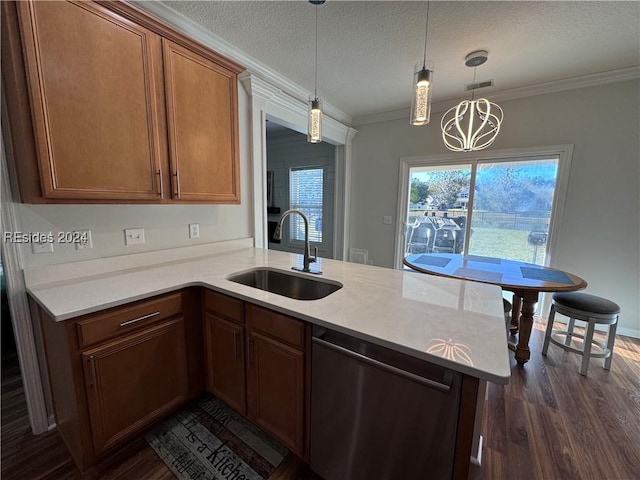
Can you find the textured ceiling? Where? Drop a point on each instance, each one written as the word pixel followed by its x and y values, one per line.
pixel 367 50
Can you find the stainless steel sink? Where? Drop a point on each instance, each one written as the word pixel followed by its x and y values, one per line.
pixel 286 283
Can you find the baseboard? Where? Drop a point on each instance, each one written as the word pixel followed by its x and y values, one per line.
pixel 477 460
pixel 628 332
pixel 52 423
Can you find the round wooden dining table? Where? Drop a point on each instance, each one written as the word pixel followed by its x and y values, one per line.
pixel 525 280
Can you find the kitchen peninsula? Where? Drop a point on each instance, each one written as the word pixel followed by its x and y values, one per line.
pixel 179 296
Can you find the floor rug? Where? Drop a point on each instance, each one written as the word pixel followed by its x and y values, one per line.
pixel 208 441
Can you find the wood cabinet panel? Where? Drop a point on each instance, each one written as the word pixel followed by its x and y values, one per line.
pixel 224 305
pixel 135 380
pixel 276 390
pixel 94 84
pixel 279 326
pixel 224 346
pixel 123 320
pixel 87 92
pixel 201 101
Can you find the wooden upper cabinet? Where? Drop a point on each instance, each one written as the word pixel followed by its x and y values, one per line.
pixel 202 123
pixel 94 83
pixel 108 105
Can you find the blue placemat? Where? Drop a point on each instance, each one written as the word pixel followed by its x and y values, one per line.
pixel 478 258
pixel 479 275
pixel 545 275
pixel 433 261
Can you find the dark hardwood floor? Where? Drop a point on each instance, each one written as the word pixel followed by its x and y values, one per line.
pixel 549 423
pixel 552 423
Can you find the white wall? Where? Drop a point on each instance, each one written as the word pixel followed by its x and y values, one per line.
pixel 600 236
pixel 166 226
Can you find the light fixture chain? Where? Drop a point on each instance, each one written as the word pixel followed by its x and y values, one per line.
pixel 426 33
pixel 473 82
pixel 315 84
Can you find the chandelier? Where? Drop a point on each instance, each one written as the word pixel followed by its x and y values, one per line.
pixel 472 124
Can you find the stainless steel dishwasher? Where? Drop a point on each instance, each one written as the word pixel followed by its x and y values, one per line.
pixel 377 414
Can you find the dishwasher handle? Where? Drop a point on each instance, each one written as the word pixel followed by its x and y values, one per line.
pixel 383 366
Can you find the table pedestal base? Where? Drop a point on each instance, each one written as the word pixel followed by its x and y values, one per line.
pixel 529 301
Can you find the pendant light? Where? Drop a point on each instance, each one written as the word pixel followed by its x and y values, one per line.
pixel 475 124
pixel 422 79
pixel 314 130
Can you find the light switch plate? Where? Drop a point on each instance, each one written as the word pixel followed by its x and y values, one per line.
pixel 42 247
pixel 134 236
pixel 387 219
pixel 194 230
pixel 84 239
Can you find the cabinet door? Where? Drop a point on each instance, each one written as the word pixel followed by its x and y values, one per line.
pixel 224 345
pixel 275 390
pixel 94 87
pixel 201 99
pixel 135 380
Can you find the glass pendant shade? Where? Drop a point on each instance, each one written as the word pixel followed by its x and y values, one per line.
pixel 421 99
pixel 471 125
pixel 314 131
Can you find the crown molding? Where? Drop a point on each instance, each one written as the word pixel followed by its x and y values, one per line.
pixel 592 80
pixel 292 112
pixel 253 66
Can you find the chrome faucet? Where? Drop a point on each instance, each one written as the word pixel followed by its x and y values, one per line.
pixel 307 259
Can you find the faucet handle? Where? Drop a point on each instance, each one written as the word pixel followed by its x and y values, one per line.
pixel 315 254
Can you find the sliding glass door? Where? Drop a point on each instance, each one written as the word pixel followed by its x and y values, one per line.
pixel 512 208
pixel 498 207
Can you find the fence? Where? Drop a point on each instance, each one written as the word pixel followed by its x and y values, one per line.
pixel 529 221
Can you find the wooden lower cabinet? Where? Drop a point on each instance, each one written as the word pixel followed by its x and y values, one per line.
pixel 116 372
pixel 135 380
pixel 268 383
pixel 275 389
pixel 224 347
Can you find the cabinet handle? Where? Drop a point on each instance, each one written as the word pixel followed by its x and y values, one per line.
pixel 427 382
pixel 94 382
pixel 139 319
pixel 177 175
pixel 159 173
pixel 252 359
pixel 236 345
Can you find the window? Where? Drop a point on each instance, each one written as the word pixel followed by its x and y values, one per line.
pixel 305 194
pixel 502 205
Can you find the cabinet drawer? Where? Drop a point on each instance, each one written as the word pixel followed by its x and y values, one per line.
pixel 123 320
pixel 223 305
pixel 279 326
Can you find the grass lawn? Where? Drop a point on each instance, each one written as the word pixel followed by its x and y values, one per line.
pixel 500 242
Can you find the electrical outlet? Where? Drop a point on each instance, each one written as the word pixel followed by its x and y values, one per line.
pixel 134 236
pixel 194 230
pixel 42 247
pixel 83 238
pixel 387 220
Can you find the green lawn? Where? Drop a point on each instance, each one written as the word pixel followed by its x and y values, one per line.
pixel 499 242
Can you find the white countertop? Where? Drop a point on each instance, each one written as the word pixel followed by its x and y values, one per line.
pixel 459 325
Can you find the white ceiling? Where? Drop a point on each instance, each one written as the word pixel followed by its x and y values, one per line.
pixel 367 49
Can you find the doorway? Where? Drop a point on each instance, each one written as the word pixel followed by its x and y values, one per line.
pixel 301 176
